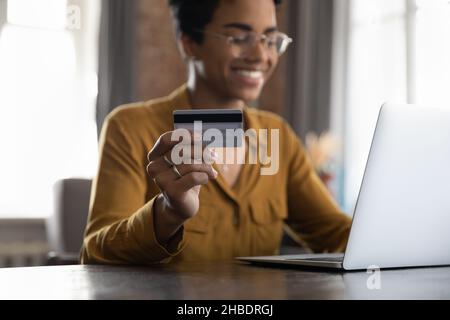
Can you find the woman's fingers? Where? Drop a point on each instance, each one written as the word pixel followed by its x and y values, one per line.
pixel 174 186
pixel 186 148
pixel 165 181
pixel 164 144
pixel 191 180
pixel 160 165
pixel 191 154
pixel 179 166
pixel 186 169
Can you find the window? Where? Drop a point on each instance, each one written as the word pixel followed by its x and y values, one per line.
pixel 2 13
pixel 431 50
pixel 47 101
pixel 398 50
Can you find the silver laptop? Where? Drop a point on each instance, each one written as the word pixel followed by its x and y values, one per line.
pixel 402 216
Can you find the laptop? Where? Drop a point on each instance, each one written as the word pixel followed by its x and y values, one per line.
pixel 402 215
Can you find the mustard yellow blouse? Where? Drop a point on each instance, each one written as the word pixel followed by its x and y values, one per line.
pixel 245 220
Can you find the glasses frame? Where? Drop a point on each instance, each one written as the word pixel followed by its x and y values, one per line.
pixel 257 38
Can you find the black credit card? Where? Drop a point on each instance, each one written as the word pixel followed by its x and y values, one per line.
pixel 219 127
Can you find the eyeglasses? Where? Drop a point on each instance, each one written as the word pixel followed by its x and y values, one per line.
pixel 276 42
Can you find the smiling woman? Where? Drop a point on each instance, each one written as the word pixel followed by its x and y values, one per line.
pixel 218 65
pixel 145 209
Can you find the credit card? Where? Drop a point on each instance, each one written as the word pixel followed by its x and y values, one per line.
pixel 219 127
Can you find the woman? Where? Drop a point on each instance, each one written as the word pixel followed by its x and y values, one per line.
pixel 207 212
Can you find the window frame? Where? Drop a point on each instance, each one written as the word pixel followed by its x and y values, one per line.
pixel 410 33
pixel 339 87
pixel 3 13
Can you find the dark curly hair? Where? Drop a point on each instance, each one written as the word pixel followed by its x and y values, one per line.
pixel 192 15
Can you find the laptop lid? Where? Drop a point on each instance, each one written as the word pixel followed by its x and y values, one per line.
pixel 402 216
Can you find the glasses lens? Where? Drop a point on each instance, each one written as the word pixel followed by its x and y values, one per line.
pixel 277 43
pixel 244 40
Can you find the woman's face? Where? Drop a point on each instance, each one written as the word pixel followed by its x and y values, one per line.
pixel 230 72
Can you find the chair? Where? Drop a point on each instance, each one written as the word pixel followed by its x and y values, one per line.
pixel 65 227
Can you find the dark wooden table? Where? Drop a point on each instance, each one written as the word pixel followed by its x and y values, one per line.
pixel 227 280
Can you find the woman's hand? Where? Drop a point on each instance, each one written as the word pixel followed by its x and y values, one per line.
pixel 180 185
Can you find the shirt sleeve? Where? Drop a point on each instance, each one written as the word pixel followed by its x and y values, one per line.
pixel 313 214
pixel 120 227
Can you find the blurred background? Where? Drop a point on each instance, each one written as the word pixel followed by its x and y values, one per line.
pixel 65 64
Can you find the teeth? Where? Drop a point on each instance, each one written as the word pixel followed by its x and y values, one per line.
pixel 250 74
